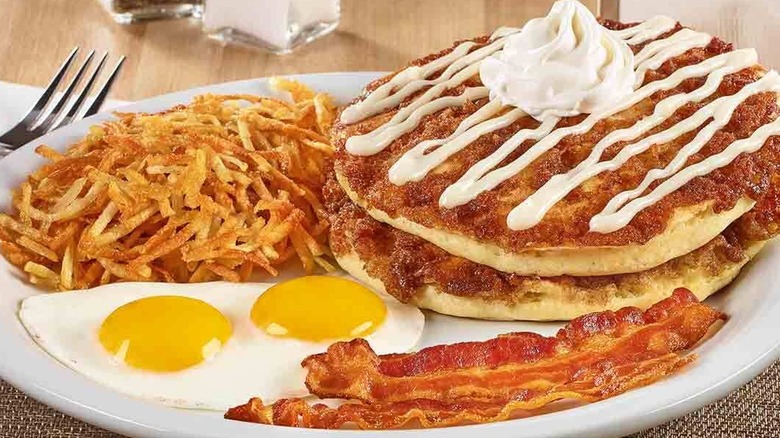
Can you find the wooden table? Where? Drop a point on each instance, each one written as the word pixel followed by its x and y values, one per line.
pixel 165 56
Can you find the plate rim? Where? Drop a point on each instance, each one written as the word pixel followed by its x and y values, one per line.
pixel 148 420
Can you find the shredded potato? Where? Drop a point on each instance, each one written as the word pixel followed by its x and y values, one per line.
pixel 222 188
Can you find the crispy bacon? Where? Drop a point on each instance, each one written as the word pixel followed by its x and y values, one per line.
pixel 594 357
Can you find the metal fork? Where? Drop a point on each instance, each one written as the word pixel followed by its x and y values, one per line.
pixel 29 129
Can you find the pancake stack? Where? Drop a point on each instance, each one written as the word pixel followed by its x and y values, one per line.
pixel 446 197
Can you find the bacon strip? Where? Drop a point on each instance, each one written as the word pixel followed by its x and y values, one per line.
pixel 594 357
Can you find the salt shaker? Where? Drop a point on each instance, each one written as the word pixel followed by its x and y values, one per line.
pixel 275 25
pixel 130 11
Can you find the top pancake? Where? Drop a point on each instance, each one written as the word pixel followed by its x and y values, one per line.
pixel 562 242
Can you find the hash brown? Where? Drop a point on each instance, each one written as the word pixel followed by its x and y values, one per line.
pixel 220 188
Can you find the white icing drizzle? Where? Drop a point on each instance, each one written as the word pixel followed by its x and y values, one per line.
pixel 531 211
pixel 406 83
pixel 408 118
pixel 653 55
pixel 462 64
pixel 611 219
pixel 474 182
pixel 412 79
pixel 607 222
pixel 647 30
pixel 497 176
pixel 418 161
pixel 415 164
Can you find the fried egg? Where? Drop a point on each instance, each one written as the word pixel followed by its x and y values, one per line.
pixel 213 345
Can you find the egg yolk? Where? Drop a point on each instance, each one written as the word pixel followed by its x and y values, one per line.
pixel 165 333
pixel 317 308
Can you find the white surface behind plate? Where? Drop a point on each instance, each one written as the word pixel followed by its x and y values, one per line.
pixel 746 345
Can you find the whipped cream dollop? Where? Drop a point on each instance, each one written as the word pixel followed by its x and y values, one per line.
pixel 561 65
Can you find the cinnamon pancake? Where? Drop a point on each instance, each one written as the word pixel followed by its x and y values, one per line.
pixel 418 272
pixel 689 151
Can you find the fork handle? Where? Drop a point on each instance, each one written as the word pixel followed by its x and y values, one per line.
pixel 4 151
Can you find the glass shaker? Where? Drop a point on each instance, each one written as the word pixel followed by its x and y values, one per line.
pixel 130 11
pixel 275 25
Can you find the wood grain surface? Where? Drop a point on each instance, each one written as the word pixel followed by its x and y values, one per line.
pixel 746 23
pixel 165 56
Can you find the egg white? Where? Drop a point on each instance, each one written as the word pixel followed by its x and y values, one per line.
pixel 251 364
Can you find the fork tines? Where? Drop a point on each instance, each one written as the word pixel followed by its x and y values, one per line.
pixel 67 107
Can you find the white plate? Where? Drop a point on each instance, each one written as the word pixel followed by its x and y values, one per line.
pixel 747 344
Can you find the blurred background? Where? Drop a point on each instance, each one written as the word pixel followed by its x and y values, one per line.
pixel 170 55
pixel 746 23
